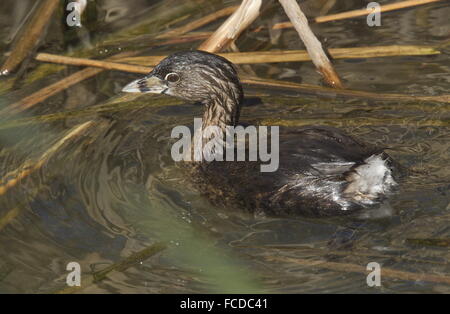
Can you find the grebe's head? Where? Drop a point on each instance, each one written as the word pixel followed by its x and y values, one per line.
pixel 191 75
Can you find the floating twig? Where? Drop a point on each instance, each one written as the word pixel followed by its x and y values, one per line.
pixel 251 57
pixel 358 13
pixel 29 167
pixel 50 90
pixel 312 44
pixel 42 94
pixel 121 266
pixel 106 65
pixel 30 36
pixel 365 11
pixel 336 53
pixel 233 26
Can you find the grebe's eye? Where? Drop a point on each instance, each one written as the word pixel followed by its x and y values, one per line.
pixel 172 77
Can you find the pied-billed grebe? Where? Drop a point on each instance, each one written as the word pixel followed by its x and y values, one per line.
pixel 321 172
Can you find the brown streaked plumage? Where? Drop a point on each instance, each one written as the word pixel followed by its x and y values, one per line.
pixel 322 171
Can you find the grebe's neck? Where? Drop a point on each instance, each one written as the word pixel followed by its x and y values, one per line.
pixel 221 110
pixel 223 107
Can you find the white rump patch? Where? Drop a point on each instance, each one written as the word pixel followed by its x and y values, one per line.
pixel 370 180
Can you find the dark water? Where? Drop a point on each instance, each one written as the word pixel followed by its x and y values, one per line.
pixel 113 189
